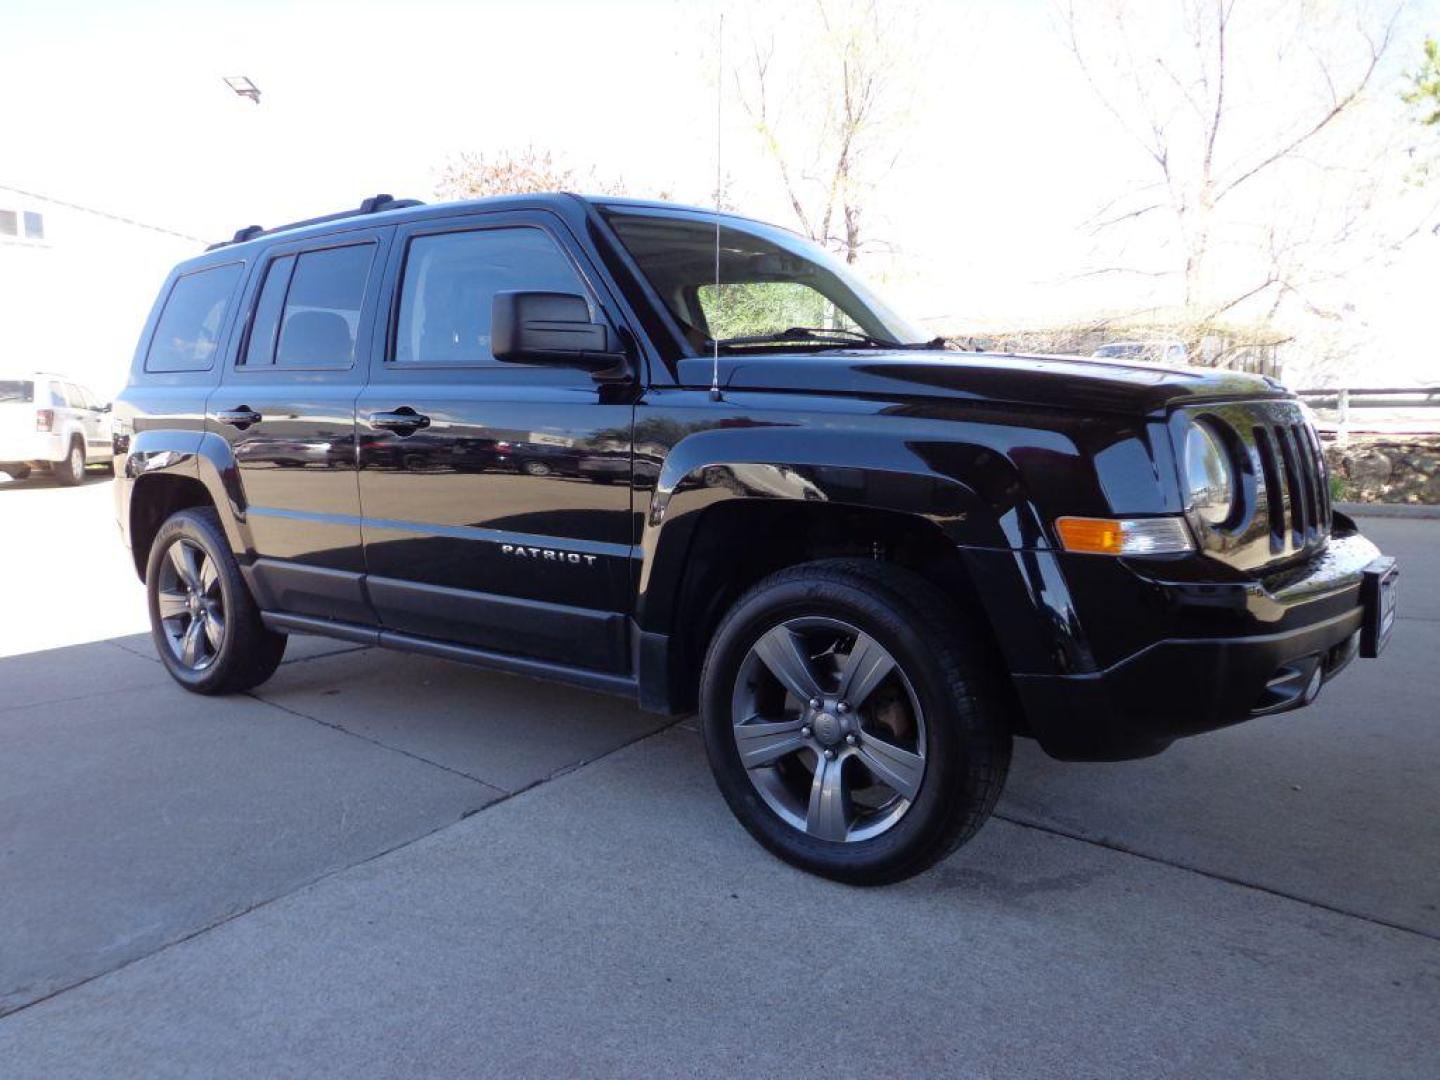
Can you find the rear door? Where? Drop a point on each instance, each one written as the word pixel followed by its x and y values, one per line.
pixel 500 518
pixel 96 423
pixel 286 405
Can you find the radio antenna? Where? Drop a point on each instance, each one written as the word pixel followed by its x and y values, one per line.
pixel 715 394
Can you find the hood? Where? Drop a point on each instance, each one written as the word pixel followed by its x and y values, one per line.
pixel 1062 382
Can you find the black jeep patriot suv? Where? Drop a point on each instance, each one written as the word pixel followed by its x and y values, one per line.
pixel 547 435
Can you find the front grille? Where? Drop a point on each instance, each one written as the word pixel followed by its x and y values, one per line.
pixel 1285 484
pixel 1295 485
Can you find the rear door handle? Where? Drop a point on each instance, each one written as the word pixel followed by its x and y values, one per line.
pixel 242 417
pixel 403 419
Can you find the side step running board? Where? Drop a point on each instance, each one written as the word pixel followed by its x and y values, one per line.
pixel 624 686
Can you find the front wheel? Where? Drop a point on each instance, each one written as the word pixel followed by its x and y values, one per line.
pixel 850 722
pixel 203 619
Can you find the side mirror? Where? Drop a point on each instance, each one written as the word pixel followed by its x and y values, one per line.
pixel 554 329
pixel 107 407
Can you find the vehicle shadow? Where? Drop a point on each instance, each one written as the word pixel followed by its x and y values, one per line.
pixel 94 477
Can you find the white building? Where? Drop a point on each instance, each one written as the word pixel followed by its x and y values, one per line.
pixel 76 286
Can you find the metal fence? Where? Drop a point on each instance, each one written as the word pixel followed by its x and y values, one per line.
pixel 1343 400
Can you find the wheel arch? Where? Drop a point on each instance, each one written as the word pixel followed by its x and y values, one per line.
pixel 736 541
pixel 168 471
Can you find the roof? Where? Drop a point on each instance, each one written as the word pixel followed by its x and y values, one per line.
pixel 380 209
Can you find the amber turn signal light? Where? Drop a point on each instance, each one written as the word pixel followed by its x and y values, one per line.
pixel 1124 536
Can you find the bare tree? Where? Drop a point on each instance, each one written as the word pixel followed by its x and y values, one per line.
pixel 825 91
pixel 1251 117
pixel 518 172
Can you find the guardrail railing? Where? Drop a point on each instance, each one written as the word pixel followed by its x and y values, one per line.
pixel 1344 399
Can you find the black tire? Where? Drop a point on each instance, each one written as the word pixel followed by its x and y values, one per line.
pixel 248 653
pixel 71 471
pixel 948 663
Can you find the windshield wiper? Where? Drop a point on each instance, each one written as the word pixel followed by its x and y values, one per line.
pixel 829 335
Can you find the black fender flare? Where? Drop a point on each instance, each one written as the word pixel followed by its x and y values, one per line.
pixel 972 495
pixel 194 455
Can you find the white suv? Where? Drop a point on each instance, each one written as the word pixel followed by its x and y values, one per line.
pixel 53 423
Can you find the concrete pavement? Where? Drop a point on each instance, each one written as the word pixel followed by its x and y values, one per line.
pixel 387 866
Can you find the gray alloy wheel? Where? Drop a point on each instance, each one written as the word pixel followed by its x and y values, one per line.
pixel 191 605
pixel 829 729
pixel 536 468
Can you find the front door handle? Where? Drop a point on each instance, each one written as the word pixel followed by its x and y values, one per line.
pixel 242 417
pixel 404 420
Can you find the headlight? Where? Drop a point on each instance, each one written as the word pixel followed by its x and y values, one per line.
pixel 1209 476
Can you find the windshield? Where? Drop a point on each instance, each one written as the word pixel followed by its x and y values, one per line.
pixel 776 289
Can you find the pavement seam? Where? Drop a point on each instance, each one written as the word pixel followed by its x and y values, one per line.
pixel 383 746
pixel 1116 846
pixel 505 797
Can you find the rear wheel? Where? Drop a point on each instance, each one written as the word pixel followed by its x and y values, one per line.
pixel 72 470
pixel 850 723
pixel 203 619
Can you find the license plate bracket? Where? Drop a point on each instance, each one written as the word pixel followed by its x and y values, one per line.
pixel 1378 595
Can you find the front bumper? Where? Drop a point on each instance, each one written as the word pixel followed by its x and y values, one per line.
pixel 1300 631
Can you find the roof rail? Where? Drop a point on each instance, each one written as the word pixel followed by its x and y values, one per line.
pixel 375 204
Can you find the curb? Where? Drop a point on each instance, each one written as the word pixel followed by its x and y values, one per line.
pixel 1389 510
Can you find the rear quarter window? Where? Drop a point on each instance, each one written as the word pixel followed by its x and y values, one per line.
pixel 187 334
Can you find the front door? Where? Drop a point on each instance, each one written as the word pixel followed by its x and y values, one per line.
pixel 495 497
pixel 286 405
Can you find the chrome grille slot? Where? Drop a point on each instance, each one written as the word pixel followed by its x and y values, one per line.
pixel 1274 495
pixel 1320 476
pixel 1296 494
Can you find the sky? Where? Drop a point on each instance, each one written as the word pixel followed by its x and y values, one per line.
pixel 121 106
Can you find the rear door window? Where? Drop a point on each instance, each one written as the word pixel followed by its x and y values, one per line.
pixel 308 312
pixel 260 349
pixel 187 334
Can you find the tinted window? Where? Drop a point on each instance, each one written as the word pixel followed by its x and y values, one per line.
pixel 15 391
pixel 73 398
pixel 322 307
pixel 450 280
pixel 8 223
pixel 188 332
pixel 260 349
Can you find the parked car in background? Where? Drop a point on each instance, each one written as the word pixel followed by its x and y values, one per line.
pixel 1154 352
pixel 51 423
